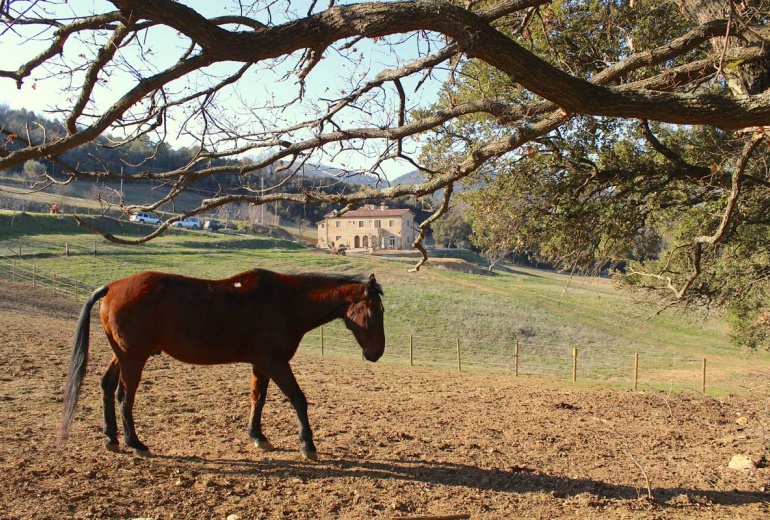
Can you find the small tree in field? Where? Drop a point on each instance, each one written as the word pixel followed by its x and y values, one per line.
pixel 34 170
pixel 452 230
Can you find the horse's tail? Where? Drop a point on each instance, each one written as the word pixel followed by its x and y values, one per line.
pixel 77 366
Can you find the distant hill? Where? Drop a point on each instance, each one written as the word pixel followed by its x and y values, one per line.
pixel 413 177
pixel 348 177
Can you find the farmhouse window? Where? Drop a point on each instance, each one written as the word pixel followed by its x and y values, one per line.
pixel 338 223
pixel 360 223
pixel 391 223
pixel 377 223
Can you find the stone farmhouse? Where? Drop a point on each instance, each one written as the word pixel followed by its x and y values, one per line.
pixel 368 227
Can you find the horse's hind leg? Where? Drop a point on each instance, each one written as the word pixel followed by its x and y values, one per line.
pixel 109 385
pixel 259 383
pixel 130 374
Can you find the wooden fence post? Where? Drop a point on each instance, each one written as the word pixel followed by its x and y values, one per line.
pixel 516 360
pixel 33 276
pixel 94 247
pixel 459 365
pixel 67 249
pixel 574 364
pixel 322 340
pixel 411 350
pixel 703 378
pixel 636 369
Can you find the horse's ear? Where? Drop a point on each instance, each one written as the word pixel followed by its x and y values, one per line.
pixel 372 287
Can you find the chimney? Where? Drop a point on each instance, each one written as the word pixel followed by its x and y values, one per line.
pixel 383 206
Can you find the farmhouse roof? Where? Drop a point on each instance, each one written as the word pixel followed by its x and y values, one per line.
pixel 370 210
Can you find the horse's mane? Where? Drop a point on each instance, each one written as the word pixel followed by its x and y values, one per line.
pixel 346 278
pixel 374 288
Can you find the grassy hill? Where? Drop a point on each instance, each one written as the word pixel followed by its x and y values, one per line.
pixel 80 196
pixel 432 309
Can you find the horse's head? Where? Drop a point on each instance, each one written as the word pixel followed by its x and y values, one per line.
pixel 365 319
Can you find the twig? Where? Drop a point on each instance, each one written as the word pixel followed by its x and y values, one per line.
pixel 427 222
pixel 644 473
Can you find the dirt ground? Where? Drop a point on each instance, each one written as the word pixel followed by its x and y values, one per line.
pixel 393 441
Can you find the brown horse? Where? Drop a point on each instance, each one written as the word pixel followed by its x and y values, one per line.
pixel 257 317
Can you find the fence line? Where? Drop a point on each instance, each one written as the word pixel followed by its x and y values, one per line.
pixel 19 271
pixel 521 359
pixel 517 358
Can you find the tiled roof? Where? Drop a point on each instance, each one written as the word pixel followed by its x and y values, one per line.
pixel 371 211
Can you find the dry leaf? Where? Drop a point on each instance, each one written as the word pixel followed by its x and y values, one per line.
pixel 531 152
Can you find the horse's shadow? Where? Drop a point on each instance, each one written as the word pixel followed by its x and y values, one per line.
pixel 517 479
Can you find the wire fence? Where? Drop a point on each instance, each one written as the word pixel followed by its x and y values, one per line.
pixel 27 248
pixel 99 260
pixel 632 368
pixel 20 271
pixel 636 370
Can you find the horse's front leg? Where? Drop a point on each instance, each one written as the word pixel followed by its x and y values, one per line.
pixel 259 382
pixel 284 378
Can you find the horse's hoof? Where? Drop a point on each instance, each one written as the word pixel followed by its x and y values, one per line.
pixel 142 453
pixel 264 446
pixel 309 455
pixel 114 447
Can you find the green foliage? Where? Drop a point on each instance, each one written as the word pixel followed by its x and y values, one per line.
pixel 548 202
pixel 550 205
pixel 34 170
pixel 750 324
pixel 451 230
pixel 733 274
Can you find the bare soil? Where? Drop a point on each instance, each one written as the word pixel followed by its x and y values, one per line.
pixel 393 441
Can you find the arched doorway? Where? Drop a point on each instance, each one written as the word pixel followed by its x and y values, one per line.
pixel 366 241
pixel 357 242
